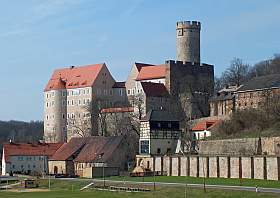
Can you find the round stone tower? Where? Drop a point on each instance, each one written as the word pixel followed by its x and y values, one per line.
pixel 188 41
pixel 55 111
pixel 60 113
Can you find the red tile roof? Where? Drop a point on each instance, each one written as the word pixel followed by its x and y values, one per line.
pixel 152 72
pixel 99 149
pixel 205 125
pixel 154 89
pixel 119 85
pixel 74 77
pixel 117 110
pixel 88 149
pixel 69 149
pixel 25 149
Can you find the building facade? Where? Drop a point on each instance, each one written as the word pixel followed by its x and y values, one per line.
pixel 30 159
pixel 159 133
pixel 96 151
pixel 223 103
pixel 71 96
pixel 257 93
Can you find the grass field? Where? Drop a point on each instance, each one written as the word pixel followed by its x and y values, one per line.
pixel 199 180
pixel 162 193
pixel 70 189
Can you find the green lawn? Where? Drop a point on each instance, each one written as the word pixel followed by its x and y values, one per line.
pixel 162 193
pixel 199 180
pixel 70 189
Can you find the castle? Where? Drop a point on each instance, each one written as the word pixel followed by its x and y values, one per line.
pixel 181 87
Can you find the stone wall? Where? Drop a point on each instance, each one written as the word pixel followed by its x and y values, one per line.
pixel 252 167
pixel 244 146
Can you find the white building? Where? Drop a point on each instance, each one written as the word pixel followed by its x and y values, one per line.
pixel 202 129
pixel 70 93
pixel 31 159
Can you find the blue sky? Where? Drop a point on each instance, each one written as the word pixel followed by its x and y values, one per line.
pixel 37 36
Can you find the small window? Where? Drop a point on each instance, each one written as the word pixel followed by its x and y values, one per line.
pixel 159 125
pixel 169 125
pixel 158 151
pixel 180 32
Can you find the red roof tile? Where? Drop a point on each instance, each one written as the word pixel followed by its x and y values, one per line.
pixel 99 149
pixel 88 149
pixel 154 89
pixel 67 150
pixel 117 110
pixel 205 125
pixel 152 72
pixel 24 149
pixel 74 77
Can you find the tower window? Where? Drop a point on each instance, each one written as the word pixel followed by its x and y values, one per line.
pixel 180 32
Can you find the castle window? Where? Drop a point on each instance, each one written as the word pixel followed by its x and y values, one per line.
pixel 144 146
pixel 169 125
pixel 63 116
pixel 180 32
pixel 159 125
pixel 128 92
pixel 120 92
pixel 87 91
pixel 158 151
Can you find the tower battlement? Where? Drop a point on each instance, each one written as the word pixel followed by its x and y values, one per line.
pixel 188 25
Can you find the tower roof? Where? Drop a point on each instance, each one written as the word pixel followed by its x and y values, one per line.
pixel 74 77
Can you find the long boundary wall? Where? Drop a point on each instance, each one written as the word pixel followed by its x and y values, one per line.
pixel 252 167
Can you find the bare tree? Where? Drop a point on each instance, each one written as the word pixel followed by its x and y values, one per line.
pixel 79 125
pixel 137 101
pixel 236 73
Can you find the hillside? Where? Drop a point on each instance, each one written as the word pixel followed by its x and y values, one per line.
pixel 19 131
